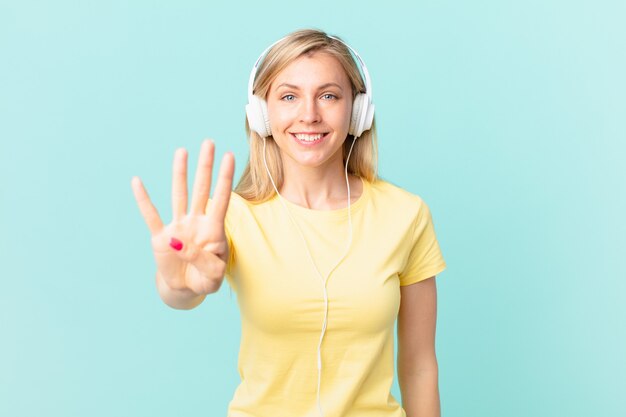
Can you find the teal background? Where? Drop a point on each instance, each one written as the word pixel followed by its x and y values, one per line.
pixel 508 118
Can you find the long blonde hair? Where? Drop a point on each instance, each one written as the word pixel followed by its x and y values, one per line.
pixel 254 184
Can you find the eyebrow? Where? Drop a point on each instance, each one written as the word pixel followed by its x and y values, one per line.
pixel 295 87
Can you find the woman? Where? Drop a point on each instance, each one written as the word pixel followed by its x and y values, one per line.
pixel 320 278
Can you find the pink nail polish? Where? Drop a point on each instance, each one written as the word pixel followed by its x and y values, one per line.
pixel 176 244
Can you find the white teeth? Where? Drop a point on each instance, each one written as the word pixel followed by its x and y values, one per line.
pixel 308 138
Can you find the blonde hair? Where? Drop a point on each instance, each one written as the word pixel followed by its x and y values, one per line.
pixel 254 184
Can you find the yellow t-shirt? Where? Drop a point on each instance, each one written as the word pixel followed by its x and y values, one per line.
pixel 281 300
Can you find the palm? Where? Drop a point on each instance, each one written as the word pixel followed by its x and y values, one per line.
pixel 201 236
pixel 205 251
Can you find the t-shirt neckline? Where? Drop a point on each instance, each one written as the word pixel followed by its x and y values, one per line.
pixel 328 214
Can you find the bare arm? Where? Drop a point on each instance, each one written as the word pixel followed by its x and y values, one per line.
pixel 418 374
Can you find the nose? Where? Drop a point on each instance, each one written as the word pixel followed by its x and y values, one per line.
pixel 309 113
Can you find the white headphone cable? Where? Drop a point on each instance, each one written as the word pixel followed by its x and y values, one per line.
pixel 324 281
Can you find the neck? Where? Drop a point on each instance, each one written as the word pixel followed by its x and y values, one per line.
pixel 317 188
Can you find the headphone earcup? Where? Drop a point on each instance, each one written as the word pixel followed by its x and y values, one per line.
pixel 362 115
pixel 258 120
pixel 356 111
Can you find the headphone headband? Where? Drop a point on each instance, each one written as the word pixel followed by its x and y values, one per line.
pixel 368 82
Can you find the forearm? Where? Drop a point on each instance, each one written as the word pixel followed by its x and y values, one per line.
pixel 181 299
pixel 420 393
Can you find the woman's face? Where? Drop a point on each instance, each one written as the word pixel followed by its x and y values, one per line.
pixel 309 105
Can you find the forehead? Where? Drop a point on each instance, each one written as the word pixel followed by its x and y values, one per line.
pixel 310 70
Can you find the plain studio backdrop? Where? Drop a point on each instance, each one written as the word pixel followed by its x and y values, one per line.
pixel 507 118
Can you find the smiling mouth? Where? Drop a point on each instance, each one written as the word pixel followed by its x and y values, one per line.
pixel 309 137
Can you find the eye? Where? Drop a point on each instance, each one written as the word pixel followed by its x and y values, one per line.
pixel 329 96
pixel 288 97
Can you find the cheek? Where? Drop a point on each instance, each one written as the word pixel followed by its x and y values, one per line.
pixel 342 117
pixel 278 116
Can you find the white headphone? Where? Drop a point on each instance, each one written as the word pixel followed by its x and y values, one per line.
pixel 362 107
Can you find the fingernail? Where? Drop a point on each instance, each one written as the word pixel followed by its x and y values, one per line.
pixel 176 244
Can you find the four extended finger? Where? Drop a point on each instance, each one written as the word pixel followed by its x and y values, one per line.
pixel 202 183
pixel 179 184
pixel 147 209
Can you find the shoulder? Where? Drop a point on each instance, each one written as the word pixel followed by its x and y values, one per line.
pixel 387 193
pixel 237 207
pixel 238 204
pixel 241 210
pixel 401 206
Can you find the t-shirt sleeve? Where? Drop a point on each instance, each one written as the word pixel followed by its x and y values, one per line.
pixel 425 259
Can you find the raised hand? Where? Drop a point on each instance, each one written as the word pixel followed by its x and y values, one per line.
pixel 191 252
